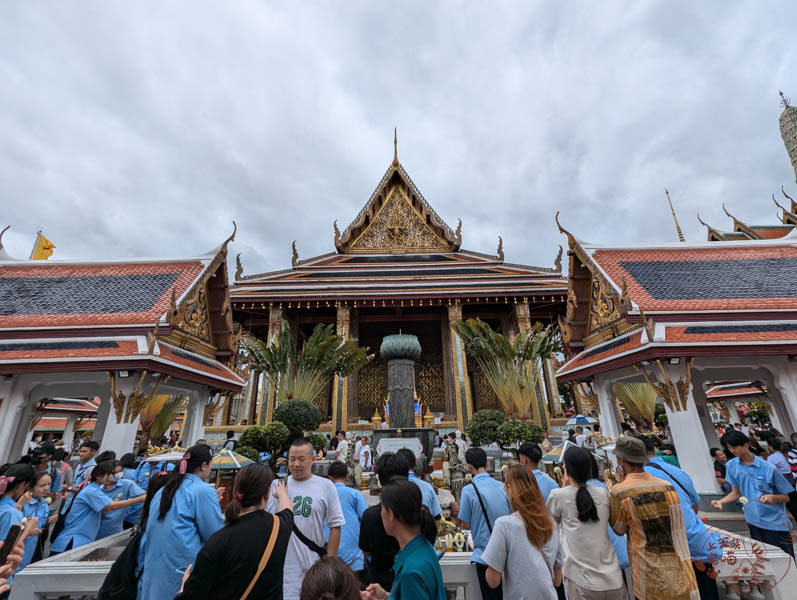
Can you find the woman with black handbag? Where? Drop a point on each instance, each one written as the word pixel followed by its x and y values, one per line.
pixel 246 557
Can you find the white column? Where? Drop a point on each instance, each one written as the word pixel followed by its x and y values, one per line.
pixel 28 439
pixel 110 433
pixel 194 425
pixel 69 431
pixel 690 443
pixel 784 374
pixel 609 417
pixel 701 404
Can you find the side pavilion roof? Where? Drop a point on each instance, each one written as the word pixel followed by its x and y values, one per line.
pixel 166 315
pixel 678 300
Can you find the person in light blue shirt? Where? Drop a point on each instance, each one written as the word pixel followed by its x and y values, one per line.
pixel 85 508
pixel 117 488
pixel 428 493
pixel 353 505
pixel 762 491
pixel 128 462
pixel 39 509
pixel 530 455
pixel 15 480
pixel 86 464
pixel 184 514
pixel 496 504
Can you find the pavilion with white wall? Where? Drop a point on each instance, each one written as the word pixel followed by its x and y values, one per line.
pixel 682 317
pixel 119 330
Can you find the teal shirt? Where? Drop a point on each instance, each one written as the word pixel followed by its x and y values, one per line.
pixel 418 574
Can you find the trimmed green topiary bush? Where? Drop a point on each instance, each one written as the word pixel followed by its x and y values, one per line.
pixel 483 426
pixel 318 441
pixel 298 416
pixel 248 452
pixel 265 438
pixel 520 432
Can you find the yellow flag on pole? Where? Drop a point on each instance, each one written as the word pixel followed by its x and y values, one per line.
pixel 42 249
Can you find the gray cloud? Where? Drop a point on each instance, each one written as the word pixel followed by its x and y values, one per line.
pixel 144 129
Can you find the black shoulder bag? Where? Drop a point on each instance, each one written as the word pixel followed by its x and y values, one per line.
pixel 121 582
pixel 60 523
pixel 320 550
pixel 484 510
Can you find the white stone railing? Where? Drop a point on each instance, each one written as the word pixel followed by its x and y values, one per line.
pixel 749 570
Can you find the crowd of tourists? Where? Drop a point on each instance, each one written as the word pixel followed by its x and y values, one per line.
pixel 306 537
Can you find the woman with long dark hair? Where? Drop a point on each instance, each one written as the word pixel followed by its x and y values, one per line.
pixel 230 563
pixel 524 553
pixel 417 569
pixel 38 509
pixel 85 508
pixel 184 514
pixel 15 481
pixel 591 567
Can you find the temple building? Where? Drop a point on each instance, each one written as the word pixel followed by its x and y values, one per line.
pixel 399 267
pixel 691 319
pixel 120 330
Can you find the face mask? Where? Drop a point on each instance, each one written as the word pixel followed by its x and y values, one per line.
pixel 116 476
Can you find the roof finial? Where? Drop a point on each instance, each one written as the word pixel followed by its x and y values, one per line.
pixel 395 147
pixel 784 101
pixel 672 210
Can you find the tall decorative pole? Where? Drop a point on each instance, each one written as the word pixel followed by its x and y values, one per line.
pixel 269 393
pixel 459 363
pixel 340 386
pixel 401 351
pixel 539 413
pixel 672 210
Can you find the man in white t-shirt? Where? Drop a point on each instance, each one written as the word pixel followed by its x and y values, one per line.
pixel 358 443
pixel 580 436
pixel 342 451
pixel 315 502
pixel 363 462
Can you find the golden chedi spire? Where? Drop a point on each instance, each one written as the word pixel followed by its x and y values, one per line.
pixel 788 129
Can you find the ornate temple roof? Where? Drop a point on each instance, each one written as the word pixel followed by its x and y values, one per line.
pixel 168 315
pixel 398 248
pixel 744 231
pixel 679 300
pixel 736 390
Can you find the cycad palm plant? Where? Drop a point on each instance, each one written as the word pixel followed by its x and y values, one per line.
pixel 509 366
pixel 158 414
pixel 304 375
pixel 639 400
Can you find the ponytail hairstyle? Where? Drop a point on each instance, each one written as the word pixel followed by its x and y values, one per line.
pixel 14 477
pixel 330 579
pixel 251 485
pixel 192 461
pixel 579 468
pixel 403 498
pixel 105 467
pixel 157 480
pixel 525 497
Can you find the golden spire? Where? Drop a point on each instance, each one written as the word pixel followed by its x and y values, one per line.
pixel 395 147
pixel 672 210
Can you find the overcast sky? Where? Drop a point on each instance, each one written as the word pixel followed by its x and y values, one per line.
pixel 145 128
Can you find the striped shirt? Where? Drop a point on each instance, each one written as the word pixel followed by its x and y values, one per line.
pixel 648 511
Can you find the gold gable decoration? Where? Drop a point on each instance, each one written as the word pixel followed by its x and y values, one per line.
pixel 397 218
pixel 399 228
